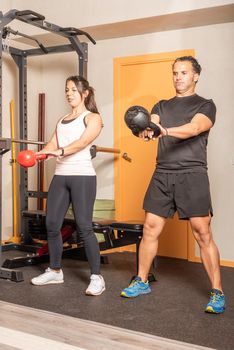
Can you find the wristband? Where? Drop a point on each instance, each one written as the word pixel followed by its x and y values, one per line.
pixel 62 149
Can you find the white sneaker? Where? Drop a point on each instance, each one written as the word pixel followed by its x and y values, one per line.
pixel 48 277
pixel 96 285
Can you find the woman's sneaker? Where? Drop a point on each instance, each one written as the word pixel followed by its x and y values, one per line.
pixel 96 285
pixel 216 304
pixel 48 277
pixel 135 288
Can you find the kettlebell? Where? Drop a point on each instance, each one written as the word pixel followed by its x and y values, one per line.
pixel 28 158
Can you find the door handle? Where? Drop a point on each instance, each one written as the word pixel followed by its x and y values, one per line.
pixel 126 157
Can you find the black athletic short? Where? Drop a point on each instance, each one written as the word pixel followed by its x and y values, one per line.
pixel 188 194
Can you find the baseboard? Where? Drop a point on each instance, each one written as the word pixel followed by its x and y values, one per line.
pixel 227 263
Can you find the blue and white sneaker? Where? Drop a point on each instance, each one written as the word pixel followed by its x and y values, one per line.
pixel 216 304
pixel 135 288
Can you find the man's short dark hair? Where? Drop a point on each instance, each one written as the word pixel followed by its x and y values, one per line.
pixel 196 66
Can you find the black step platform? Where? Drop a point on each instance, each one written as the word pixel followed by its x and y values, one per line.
pixel 12 275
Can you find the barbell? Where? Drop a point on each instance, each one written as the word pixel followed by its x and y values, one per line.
pixel 28 158
pixel 5 145
pixel 9 140
pixel 94 149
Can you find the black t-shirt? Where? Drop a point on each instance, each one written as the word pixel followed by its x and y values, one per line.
pixel 179 155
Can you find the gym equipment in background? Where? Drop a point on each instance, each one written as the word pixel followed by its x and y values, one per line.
pixel 20 57
pixel 41 137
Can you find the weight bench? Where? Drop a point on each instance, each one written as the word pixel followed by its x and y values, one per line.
pixel 35 230
pixel 121 234
pixel 115 235
pixel 131 232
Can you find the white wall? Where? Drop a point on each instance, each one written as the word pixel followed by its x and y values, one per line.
pixel 6 5
pixel 216 57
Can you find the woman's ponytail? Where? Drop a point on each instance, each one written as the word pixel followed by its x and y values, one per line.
pixel 90 102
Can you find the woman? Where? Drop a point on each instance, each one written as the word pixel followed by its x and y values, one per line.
pixel 74 182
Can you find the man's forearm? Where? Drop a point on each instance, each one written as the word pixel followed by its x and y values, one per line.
pixel 184 131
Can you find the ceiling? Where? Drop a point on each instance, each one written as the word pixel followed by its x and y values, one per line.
pixel 180 20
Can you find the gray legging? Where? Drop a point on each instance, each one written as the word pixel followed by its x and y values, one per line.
pixel 81 192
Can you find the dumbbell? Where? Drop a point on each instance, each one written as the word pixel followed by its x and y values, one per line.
pixel 137 118
pixel 28 158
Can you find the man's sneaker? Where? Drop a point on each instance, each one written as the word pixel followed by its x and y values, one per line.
pixel 135 288
pixel 48 277
pixel 96 285
pixel 216 304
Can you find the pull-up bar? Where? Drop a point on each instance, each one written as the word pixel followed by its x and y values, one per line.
pixel 8 30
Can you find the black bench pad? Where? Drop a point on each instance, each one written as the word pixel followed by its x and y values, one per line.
pixel 128 225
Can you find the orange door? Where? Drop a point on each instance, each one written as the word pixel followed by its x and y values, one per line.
pixel 143 80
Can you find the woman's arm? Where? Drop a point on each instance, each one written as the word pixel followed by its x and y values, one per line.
pixel 51 148
pixel 51 144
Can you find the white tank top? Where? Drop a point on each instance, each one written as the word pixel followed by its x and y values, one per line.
pixel 78 163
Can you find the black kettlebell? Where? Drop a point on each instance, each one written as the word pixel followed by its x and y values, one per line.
pixel 137 118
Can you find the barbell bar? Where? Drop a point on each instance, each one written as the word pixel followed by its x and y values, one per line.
pixel 94 149
pixel 5 145
pixel 32 142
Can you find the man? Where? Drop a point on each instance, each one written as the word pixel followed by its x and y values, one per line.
pixel 180 181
